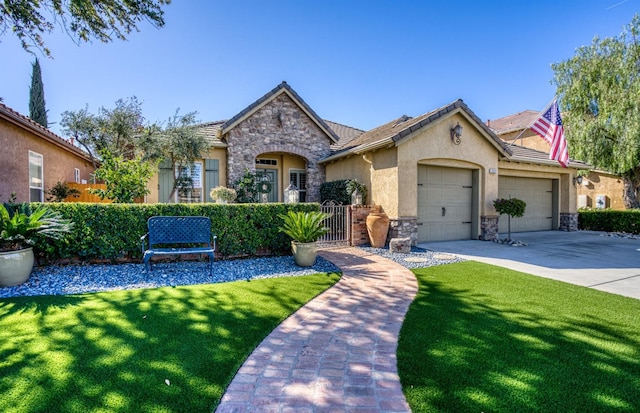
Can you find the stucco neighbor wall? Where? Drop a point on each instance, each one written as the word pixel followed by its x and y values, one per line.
pixel 58 163
pixel 601 183
pixel 278 126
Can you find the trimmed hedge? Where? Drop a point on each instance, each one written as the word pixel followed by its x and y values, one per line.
pixel 609 220
pixel 335 191
pixel 112 231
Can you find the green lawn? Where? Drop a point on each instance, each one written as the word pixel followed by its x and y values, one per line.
pixel 480 338
pixel 151 350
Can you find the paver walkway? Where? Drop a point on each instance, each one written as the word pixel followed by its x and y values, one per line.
pixel 338 352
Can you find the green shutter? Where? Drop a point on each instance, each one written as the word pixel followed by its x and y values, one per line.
pixel 165 181
pixel 211 176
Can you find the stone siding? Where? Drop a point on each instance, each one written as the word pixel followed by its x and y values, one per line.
pixel 404 227
pixel 279 126
pixel 489 227
pixel 568 221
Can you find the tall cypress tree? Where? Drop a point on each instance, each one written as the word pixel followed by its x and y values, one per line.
pixel 37 111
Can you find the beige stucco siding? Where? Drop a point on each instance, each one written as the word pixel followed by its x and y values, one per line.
pixel 432 145
pixel 601 183
pixel 354 167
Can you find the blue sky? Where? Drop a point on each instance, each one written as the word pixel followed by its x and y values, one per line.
pixel 360 63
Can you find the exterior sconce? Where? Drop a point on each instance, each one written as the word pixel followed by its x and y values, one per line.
pixel 456 133
pixel 291 194
pixel 577 180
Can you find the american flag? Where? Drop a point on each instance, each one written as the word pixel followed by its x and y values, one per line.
pixel 549 127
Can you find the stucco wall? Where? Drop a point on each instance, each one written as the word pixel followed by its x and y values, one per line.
pixel 278 126
pixel 528 139
pixel 354 167
pixel 600 183
pixel 58 164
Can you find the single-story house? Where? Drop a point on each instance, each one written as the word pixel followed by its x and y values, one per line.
pixel 34 159
pixel 597 189
pixel 435 175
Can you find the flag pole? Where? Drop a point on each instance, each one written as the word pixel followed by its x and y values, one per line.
pixel 533 121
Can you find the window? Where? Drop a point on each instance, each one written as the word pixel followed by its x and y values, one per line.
pixel 36 177
pixel 190 184
pixel 272 162
pixel 299 179
pixel 76 175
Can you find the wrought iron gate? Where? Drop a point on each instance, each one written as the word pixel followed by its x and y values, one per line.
pixel 339 224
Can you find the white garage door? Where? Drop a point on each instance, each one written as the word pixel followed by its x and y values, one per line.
pixel 444 203
pixel 537 193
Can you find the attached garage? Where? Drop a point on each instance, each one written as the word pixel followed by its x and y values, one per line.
pixel 445 203
pixel 540 196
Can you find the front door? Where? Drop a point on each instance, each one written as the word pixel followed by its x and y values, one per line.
pixel 271 176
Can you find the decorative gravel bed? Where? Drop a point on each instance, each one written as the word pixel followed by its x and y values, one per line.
pixel 76 279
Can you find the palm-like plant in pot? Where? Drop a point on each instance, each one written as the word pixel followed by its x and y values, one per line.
pixel 305 228
pixel 19 225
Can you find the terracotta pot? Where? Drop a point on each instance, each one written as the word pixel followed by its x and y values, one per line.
pixel 304 253
pixel 378 228
pixel 15 267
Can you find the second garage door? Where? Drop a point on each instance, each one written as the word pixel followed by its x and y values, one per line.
pixel 537 193
pixel 445 198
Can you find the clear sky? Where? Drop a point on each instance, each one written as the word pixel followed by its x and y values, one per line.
pixel 357 62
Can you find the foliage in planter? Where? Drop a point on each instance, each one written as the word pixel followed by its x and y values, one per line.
pixel 21 225
pixel 112 231
pixel 335 191
pixel 304 227
pixel 223 193
pixel 609 220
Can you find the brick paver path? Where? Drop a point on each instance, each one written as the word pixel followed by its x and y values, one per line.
pixel 338 352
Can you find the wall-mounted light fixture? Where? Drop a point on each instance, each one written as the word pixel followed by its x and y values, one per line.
pixel 577 180
pixel 456 133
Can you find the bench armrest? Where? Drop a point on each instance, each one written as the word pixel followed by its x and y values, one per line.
pixel 215 238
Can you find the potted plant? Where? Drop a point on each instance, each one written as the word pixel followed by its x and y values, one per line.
pixel 19 224
pixel 223 195
pixel 305 228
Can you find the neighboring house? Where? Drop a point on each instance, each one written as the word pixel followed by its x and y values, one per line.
pixel 432 185
pixel 33 159
pixel 599 189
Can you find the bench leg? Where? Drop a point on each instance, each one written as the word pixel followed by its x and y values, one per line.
pixel 211 258
pixel 147 260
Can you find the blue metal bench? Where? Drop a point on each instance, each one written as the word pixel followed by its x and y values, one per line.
pixel 170 232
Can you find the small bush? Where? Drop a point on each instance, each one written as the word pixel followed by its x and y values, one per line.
pixel 335 191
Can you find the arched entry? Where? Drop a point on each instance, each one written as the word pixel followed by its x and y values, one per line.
pixel 278 170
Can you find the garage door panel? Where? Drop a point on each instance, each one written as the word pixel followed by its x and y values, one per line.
pixel 537 193
pixel 448 188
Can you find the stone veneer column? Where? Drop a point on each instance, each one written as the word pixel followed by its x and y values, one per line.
pixel 404 227
pixel 489 227
pixel 568 221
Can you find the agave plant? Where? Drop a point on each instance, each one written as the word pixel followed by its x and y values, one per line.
pixel 18 225
pixel 304 227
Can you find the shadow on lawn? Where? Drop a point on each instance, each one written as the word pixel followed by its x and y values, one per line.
pixel 466 348
pixel 168 349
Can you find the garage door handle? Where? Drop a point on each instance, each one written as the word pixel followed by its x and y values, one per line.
pixel 444 211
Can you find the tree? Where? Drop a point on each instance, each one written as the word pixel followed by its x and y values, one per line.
pixel 598 90
pixel 180 143
pixel 125 179
pixel 83 20
pixel 513 207
pixel 117 130
pixel 37 111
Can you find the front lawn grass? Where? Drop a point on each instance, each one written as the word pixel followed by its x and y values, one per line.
pixel 150 350
pixel 480 338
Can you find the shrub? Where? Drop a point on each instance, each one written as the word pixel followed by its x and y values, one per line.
pixel 609 220
pixel 335 191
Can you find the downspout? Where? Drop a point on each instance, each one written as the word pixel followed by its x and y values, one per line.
pixel 364 157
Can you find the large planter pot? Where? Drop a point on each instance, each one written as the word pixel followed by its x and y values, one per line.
pixel 378 228
pixel 15 267
pixel 304 253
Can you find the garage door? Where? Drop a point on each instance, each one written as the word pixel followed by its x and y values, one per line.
pixel 444 203
pixel 537 193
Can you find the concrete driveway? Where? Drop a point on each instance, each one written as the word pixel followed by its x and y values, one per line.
pixel 588 258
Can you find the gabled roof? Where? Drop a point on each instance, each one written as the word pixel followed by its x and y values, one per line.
pixel 395 131
pixel 513 123
pixel 26 123
pixel 281 88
